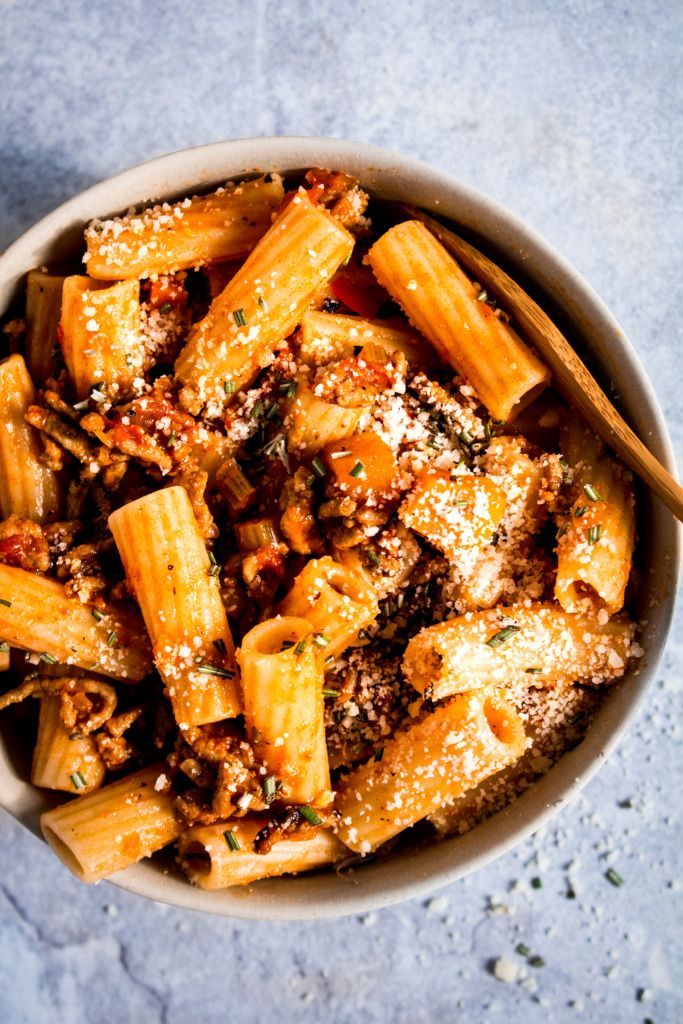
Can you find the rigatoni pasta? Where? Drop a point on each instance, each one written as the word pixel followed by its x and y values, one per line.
pixel 220 856
pixel 169 571
pixel 28 487
pixel 43 310
pixel 263 303
pixel 287 440
pixel 450 751
pixel 37 615
pixel 334 600
pixel 596 537
pixel 466 331
pixel 112 827
pixel 100 334
pixel 224 225
pixel 282 684
pixel 537 643
pixel 64 759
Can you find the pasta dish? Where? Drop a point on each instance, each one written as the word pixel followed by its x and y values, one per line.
pixel 300 554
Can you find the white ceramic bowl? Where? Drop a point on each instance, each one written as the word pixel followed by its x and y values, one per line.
pixel 592 329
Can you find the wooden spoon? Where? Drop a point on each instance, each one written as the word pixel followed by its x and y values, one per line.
pixel 572 378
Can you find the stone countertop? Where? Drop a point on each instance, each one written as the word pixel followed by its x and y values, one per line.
pixel 570 114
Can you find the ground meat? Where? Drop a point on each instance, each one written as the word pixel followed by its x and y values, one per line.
pixel 23 544
pixel 298 521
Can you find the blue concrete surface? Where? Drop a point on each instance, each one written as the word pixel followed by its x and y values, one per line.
pixel 569 113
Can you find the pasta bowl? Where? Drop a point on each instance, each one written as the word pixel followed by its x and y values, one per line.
pixel 596 335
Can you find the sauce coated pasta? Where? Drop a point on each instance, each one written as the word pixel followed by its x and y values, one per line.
pixel 300 553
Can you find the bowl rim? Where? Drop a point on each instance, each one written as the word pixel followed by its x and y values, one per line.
pixel 550 793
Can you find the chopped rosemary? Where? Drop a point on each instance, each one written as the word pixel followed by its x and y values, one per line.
pixel 536 883
pixel 277 448
pixel 310 481
pixel 229 387
pixel 461 502
pixel 533 671
pixel 239 318
pixel 580 510
pixel 358 470
pixel 502 635
pixel 300 647
pixel 318 466
pixel 7 604
pixel 379 753
pixel 78 781
pixel 522 949
pixel 592 493
pixel 214 567
pixel 171 439
pixel 272 411
pixel 262 303
pixel 373 556
pixel 320 639
pixel 48 658
pixel 113 640
pixel 562 530
pixel 269 788
pixel 289 388
pixel 536 961
pixel 257 410
pixel 614 877
pixel 329 692
pixel 310 816
pixel 594 534
pixel 232 840
pixel 97 615
pixel 165 307
pixel 212 670
pixel 466 437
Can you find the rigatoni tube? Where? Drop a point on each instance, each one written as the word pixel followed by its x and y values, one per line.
pixel 450 751
pixel 596 538
pixel 263 303
pixel 43 309
pixel 539 644
pixel 457 513
pixel 211 860
pixel 442 302
pixel 313 423
pixel 64 759
pixel 100 335
pixel 335 600
pixel 282 663
pixel 170 573
pixel 112 827
pixel 37 615
pixel 27 487
pixel 326 337
pixel 224 225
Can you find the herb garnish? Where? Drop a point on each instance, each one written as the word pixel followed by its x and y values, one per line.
pixel 594 534
pixel 502 635
pixel 78 781
pixel 358 470
pixel 309 815
pixel 232 840
pixel 239 318
pixel 592 493
pixel 212 670
pixel 614 877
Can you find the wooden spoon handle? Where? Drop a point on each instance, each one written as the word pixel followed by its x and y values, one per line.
pixel 572 378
